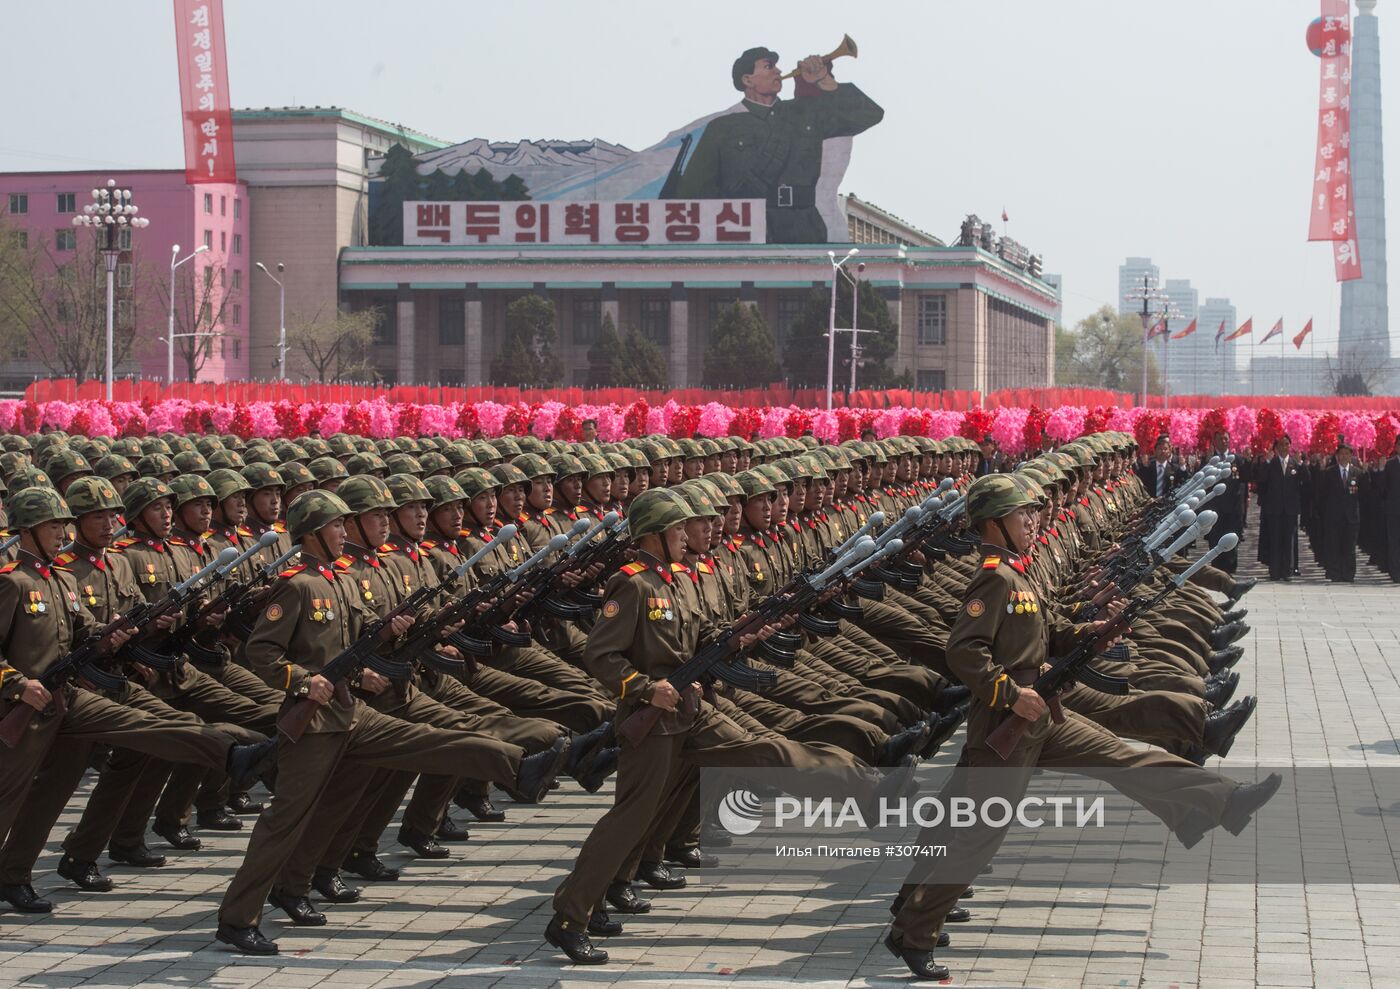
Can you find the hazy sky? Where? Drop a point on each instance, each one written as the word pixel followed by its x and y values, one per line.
pixel 1183 130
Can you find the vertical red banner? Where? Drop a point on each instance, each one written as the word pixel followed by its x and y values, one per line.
pixel 1333 215
pixel 204 96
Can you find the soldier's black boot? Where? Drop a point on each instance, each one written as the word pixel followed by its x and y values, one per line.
pixel 1227 635
pixel 298 908
pixel 581 746
pixel 332 888
pixel 246 940
pixel 450 830
pixel 624 899
pixel 425 846
pixel 601 925
pixel 1248 798
pixel 246 764
pixel 137 855
pixel 691 858
pixel 84 875
pixel 23 898
pixel 920 962
pixel 1221 687
pixel 177 836
pixel 657 876
pixel 479 806
pixel 537 772
pixel 943 729
pixel 1222 726
pixel 1234 616
pixel 1223 659
pixel 241 803
pixel 366 865
pixel 908 742
pixel 1241 588
pixel 218 819
pixel 575 944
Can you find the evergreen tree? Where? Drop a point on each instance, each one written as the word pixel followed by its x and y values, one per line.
pixel 438 188
pixel 399 183
pixel 804 354
pixel 529 353
pixel 644 363
pixel 513 188
pixel 605 358
pixel 741 353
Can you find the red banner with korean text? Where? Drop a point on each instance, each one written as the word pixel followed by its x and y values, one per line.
pixel 204 97
pixel 1333 214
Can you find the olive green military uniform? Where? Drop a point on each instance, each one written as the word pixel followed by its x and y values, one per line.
pixel 314 613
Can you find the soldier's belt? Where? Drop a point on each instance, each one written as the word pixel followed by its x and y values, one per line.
pixel 793 197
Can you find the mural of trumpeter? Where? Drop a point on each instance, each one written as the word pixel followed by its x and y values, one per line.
pixel 773 149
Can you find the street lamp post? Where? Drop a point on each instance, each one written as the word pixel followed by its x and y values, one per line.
pixel 110 212
pixel 836 267
pixel 170 333
pixel 1149 294
pixel 281 318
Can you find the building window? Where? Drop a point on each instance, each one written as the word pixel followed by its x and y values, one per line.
pixel 124 275
pixel 22 238
pixel 209 203
pixel 123 312
pixel 933 319
pixel 223 205
pixel 237 280
pixel 124 239
pixel 222 272
pixel 237 213
pixel 452 322
pixel 237 243
pixel 221 348
pixel 237 345
pixel 208 280
pixel 656 320
pixel 65 240
pixel 68 202
pixel 237 316
pixel 932 380
pixel 386 331
pixel 209 239
pixel 451 377
pixel 19 204
pixel 789 312
pixel 223 242
pixel 588 319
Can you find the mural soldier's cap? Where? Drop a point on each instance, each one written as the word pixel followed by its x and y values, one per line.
pixel 743 65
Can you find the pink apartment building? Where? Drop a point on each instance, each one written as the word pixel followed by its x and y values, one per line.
pixel 212 289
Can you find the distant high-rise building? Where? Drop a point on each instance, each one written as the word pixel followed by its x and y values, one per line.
pixel 1130 275
pixel 1181 362
pixel 1364 331
pixel 1216 365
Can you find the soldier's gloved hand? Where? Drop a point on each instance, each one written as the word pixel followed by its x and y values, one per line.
pixel 664 696
pixel 1029 705
pixel 319 690
pixel 372 683
pixel 37 696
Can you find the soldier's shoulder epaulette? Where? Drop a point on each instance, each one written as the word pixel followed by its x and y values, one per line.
pixel 124 542
pixel 738 540
pixel 344 560
pixel 991 563
pixel 679 568
pixel 207 533
pixel 243 530
pixel 704 568
pixel 632 569
pixel 551 511
pixel 580 508
pixel 65 558
pixel 9 566
pixel 523 518
pixel 279 526
pixel 427 544
pixel 293 570
pixel 386 549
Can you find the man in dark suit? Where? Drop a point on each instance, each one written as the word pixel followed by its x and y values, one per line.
pixel 991 459
pixel 1390 510
pixel 1338 493
pixel 1230 506
pixel 1281 482
pixel 1161 474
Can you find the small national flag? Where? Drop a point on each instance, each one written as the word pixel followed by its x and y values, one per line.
pixel 1219 333
pixel 1276 331
pixel 1004 217
pixel 1298 340
pixel 1191 328
pixel 1159 330
pixel 1247 328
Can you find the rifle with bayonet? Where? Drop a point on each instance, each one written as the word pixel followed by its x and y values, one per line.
pixel 1075 666
pixel 183 640
pixel 83 661
pixel 713 660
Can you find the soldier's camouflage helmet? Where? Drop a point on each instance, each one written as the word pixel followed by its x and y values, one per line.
pixel 327 469
pixel 364 493
pixel 996 496
pixel 726 484
pixel 508 474
pixel 403 463
pixel 66 462
pixel 532 465
pixel 408 489
pixel 33 506
pixel 142 493
pixel 156 464
pixel 226 460
pixel 188 487
pixel 13 462
pixel 656 510
pixel 753 482
pixel 190 462
pixel 366 463
pixel 564 465
pixel 475 480
pixel 444 490
pixel 295 473
pixel 341 445
pixel 460 454
pixel 227 482
pixel 596 465
pixel 314 510
pixel 314 447
pixel 29 477
pixel 92 494
pixel 702 504
pixel 261 476
pixel 432 462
